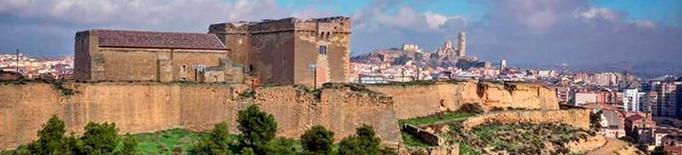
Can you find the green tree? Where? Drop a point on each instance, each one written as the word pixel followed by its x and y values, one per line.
pixel 281 146
pixel 595 120
pixel 257 128
pixel 129 146
pixel 51 139
pixel 364 142
pixel 217 143
pixel 659 151
pixel 99 139
pixel 318 140
pixel 248 151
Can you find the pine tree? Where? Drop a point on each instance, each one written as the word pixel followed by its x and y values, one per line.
pixel 318 140
pixel 364 142
pixel 51 139
pixel 257 128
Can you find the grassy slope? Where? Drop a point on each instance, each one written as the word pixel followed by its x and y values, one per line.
pixel 448 117
pixel 437 119
pixel 167 141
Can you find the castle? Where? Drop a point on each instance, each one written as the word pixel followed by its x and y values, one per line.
pixel 285 51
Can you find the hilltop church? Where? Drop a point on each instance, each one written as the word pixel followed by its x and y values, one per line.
pixel 282 52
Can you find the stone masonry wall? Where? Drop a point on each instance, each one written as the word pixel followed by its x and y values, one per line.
pixel 422 100
pixel 281 51
pixel 147 107
pixel 579 118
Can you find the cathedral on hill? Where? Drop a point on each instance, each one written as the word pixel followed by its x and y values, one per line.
pixel 450 51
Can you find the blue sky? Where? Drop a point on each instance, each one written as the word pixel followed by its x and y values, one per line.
pixel 664 11
pixel 522 31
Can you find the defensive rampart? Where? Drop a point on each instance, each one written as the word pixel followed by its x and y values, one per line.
pixel 145 107
pixel 579 118
pixel 418 100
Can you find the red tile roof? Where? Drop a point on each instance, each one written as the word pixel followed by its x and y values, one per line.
pixel 634 117
pixel 146 39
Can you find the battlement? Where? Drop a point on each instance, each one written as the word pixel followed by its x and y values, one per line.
pixel 337 25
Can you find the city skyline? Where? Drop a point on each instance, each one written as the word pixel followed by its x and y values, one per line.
pixel 523 32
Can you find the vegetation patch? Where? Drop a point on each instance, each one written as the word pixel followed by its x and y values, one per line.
pixel 168 141
pixel 248 93
pixel 440 118
pixel 520 138
pixel 63 90
pixel 413 140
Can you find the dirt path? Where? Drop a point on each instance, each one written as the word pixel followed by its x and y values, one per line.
pixel 611 147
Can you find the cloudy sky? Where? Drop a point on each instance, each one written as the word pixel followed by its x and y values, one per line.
pixel 522 31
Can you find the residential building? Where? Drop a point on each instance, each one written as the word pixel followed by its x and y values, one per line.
pixel 633 100
pixel 663 98
pixel 585 97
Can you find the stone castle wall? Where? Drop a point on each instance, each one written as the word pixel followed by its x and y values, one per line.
pixel 95 63
pixel 280 51
pixel 579 118
pixel 421 100
pixel 146 107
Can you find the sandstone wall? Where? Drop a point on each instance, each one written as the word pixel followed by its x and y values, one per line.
pixel 146 107
pixel 422 100
pixel 579 118
pixel 517 95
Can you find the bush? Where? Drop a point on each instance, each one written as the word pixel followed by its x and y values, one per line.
pixel 281 146
pixel 129 146
pixel 471 108
pixel 318 140
pixel 364 142
pixel 51 139
pixel 216 143
pixel 595 120
pixel 257 128
pixel 99 138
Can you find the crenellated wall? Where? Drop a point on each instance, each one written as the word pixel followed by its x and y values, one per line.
pixel 146 107
pixel 422 100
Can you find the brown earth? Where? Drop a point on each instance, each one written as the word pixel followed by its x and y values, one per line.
pixel 579 118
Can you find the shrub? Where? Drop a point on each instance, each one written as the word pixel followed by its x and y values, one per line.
pixel 257 128
pixel 51 139
pixel 281 146
pixel 364 142
pixel 216 143
pixel 99 138
pixel 318 140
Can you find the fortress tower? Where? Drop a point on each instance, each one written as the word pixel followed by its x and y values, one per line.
pixel 282 51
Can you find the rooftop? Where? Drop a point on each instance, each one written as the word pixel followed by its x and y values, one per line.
pixel 148 39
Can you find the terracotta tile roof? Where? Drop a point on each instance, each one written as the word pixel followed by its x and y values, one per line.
pixel 146 39
pixel 634 117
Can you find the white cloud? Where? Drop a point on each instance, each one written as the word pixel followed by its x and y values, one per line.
pixel 434 20
pixel 645 24
pixel 407 18
pixel 598 13
pixel 162 14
